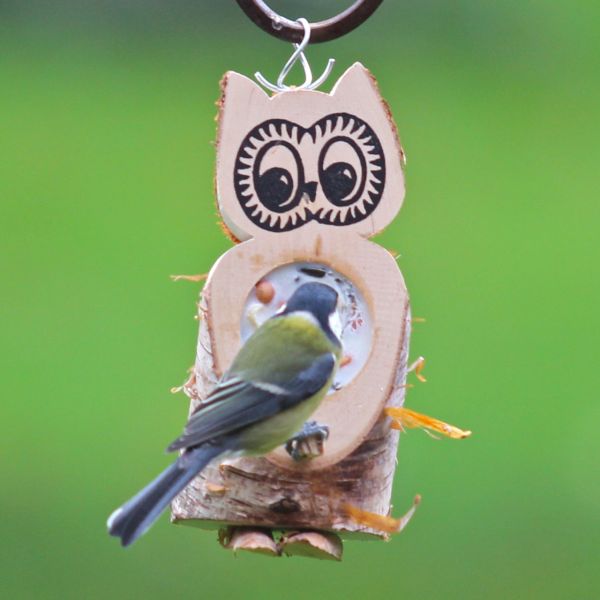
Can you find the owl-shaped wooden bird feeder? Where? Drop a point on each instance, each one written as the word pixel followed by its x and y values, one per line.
pixel 303 180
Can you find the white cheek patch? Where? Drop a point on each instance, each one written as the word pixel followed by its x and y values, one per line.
pixel 336 325
pixel 351 321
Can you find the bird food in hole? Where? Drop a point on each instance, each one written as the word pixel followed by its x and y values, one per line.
pixel 354 322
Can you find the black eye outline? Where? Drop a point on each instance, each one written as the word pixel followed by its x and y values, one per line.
pixel 295 212
pixel 323 175
pixel 359 133
pixel 294 198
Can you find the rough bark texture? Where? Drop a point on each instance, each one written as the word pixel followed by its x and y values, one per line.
pixel 255 492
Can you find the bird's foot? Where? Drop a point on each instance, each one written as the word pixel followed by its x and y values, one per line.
pixel 309 442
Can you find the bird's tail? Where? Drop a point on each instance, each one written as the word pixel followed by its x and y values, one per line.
pixel 135 516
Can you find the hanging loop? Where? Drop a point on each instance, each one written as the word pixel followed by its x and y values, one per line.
pixel 298 55
pixel 322 31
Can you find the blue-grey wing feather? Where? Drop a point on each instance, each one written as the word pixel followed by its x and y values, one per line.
pixel 236 404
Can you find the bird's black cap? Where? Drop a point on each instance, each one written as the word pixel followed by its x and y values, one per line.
pixel 318 299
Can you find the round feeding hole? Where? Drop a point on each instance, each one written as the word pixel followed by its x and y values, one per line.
pixel 270 294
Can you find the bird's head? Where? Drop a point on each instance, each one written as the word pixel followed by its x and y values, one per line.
pixel 322 302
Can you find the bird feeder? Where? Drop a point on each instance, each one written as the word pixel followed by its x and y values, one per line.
pixel 303 180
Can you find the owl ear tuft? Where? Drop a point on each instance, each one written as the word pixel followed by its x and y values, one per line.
pixel 240 91
pixel 355 80
pixel 241 101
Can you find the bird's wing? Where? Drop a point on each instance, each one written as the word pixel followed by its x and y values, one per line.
pixel 236 403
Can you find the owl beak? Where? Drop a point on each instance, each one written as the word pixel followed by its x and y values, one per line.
pixel 309 191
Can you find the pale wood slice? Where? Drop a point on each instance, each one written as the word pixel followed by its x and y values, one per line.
pixel 312 544
pixel 250 540
pixel 250 122
pixel 351 412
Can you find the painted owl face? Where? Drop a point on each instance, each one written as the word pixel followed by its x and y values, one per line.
pixel 286 175
pixel 305 157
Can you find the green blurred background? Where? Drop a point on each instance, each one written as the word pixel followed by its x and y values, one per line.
pixel 106 167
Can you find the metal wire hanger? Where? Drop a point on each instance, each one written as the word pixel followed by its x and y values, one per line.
pixel 298 55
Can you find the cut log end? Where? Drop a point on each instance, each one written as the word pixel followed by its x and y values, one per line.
pixel 310 544
pixel 313 544
pixel 248 540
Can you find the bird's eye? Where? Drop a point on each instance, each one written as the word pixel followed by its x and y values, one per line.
pixel 342 171
pixel 277 175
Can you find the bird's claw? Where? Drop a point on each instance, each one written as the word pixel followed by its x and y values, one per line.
pixel 307 443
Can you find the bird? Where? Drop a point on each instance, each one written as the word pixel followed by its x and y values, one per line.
pixel 275 382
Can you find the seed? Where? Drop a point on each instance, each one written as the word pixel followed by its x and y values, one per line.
pixel 265 292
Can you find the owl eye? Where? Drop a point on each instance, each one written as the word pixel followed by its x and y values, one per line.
pixel 269 176
pixel 342 171
pixel 351 169
pixel 277 172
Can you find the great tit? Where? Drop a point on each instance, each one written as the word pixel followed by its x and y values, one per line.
pixel 274 384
